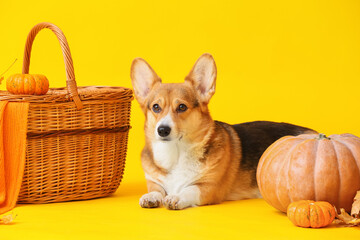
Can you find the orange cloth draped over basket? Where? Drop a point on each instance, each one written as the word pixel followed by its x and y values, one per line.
pixel 13 129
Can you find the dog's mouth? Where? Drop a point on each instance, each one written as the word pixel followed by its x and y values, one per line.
pixel 169 139
pixel 165 139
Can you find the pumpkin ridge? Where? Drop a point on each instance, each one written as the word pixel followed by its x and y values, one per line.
pixel 270 150
pixel 21 86
pixel 352 153
pixel 326 212
pixel 346 161
pixel 290 212
pixel 287 161
pixel 292 161
pixel 314 216
pixel 321 214
pixel 306 204
pixel 311 215
pixel 274 150
pixel 315 161
pixel 262 167
pixel 278 178
pixel 338 168
pixel 297 214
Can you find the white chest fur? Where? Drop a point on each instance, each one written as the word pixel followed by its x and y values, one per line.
pixel 183 168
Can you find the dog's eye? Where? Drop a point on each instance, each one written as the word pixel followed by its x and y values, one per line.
pixel 181 108
pixel 156 108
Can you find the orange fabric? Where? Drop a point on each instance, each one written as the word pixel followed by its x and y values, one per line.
pixel 2 171
pixel 13 129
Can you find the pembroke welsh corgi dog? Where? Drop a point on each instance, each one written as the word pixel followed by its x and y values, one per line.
pixel 189 159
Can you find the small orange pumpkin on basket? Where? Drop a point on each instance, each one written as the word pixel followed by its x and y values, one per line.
pixel 308 213
pixel 27 84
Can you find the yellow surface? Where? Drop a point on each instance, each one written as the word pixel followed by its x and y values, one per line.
pixel 292 61
pixel 120 217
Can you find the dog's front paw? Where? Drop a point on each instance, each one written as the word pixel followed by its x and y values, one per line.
pixel 151 200
pixel 172 202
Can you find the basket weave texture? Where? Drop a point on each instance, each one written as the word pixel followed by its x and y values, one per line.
pixel 76 138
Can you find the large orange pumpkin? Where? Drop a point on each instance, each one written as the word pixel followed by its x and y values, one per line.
pixel 307 213
pixel 310 166
pixel 27 84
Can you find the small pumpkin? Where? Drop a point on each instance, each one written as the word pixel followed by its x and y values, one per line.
pixel 310 166
pixel 307 213
pixel 27 84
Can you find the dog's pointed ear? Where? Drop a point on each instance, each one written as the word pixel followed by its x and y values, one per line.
pixel 143 79
pixel 203 77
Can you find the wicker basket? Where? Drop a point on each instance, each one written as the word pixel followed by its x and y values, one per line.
pixel 77 137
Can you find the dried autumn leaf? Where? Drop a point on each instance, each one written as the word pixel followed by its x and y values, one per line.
pixel 345 217
pixel 355 221
pixel 354 218
pixel 7 219
pixel 355 209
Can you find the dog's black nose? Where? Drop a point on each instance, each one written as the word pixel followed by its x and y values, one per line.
pixel 164 131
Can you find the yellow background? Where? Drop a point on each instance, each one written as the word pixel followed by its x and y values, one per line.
pixel 292 61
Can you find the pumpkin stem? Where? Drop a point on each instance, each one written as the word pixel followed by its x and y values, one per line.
pixel 322 136
pixel 8 67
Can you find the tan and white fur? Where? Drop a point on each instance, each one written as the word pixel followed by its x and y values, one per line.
pixel 189 159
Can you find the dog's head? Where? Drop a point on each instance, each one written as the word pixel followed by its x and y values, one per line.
pixel 175 111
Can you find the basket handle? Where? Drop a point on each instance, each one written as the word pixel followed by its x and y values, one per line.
pixel 69 67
